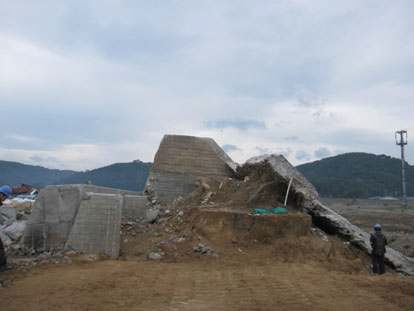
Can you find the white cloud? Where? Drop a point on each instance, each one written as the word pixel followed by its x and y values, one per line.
pixel 101 84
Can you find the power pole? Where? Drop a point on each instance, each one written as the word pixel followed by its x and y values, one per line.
pixel 401 139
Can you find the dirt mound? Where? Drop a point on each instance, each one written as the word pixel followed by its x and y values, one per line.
pixel 237 237
pixel 215 222
pixel 225 226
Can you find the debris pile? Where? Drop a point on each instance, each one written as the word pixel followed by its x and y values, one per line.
pixel 260 183
pixel 14 214
pixel 198 202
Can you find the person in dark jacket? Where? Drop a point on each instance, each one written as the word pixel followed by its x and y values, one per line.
pixel 378 243
pixel 5 192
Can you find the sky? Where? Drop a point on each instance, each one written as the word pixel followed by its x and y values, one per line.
pixel 84 84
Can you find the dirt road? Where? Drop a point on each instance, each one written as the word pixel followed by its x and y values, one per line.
pixel 204 284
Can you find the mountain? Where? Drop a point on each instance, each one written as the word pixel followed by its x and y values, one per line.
pixel 13 173
pixel 358 175
pixel 127 176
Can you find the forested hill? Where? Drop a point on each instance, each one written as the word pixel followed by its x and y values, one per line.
pixel 13 173
pixel 358 175
pixel 127 176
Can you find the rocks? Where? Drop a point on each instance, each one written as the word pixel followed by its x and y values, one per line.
pixel 151 215
pixel 155 255
pixel 203 249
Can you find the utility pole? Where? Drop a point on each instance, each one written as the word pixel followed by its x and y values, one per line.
pixel 401 139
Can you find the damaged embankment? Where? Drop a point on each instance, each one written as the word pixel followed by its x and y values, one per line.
pixel 323 217
pixel 206 179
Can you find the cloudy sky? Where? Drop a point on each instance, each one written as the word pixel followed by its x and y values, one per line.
pixel 88 83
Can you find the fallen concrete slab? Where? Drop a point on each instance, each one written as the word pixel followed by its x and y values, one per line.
pixel 181 161
pixel 322 216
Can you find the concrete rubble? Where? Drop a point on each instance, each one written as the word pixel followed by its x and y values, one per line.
pixel 13 217
pixel 183 161
pixel 87 219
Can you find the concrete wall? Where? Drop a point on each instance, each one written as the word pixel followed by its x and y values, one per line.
pixel 63 213
pixel 180 161
pixel 134 208
pixel 52 217
pixel 97 226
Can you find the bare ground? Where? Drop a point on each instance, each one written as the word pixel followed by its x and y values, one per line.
pixel 204 284
pixel 263 269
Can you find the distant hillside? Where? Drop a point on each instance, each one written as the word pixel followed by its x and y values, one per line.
pixel 13 173
pixel 127 176
pixel 358 175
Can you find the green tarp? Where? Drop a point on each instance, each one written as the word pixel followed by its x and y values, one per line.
pixel 273 211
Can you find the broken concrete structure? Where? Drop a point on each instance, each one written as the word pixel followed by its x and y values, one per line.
pixel 322 216
pixel 181 161
pixel 97 225
pixel 84 218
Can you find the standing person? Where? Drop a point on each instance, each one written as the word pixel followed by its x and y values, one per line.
pixel 5 192
pixel 378 243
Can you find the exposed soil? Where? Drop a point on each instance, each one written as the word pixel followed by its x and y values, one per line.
pixel 253 262
pixel 204 284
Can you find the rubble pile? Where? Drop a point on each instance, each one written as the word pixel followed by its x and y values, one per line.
pixel 261 182
pixel 14 214
pixel 198 203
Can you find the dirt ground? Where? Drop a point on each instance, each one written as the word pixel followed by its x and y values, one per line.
pixel 299 271
pixel 204 284
pixel 277 262
pixel 397 222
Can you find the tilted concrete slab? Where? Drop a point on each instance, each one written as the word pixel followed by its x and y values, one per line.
pixel 286 171
pixel 182 160
pixel 96 229
pixel 323 216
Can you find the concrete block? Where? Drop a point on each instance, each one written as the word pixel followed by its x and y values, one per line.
pixel 96 229
pixel 180 161
pixel 134 208
pixel 35 236
pixel 52 217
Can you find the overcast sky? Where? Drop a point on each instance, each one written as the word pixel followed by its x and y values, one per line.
pixel 87 83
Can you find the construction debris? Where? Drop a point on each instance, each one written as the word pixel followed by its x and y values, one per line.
pixel 196 200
